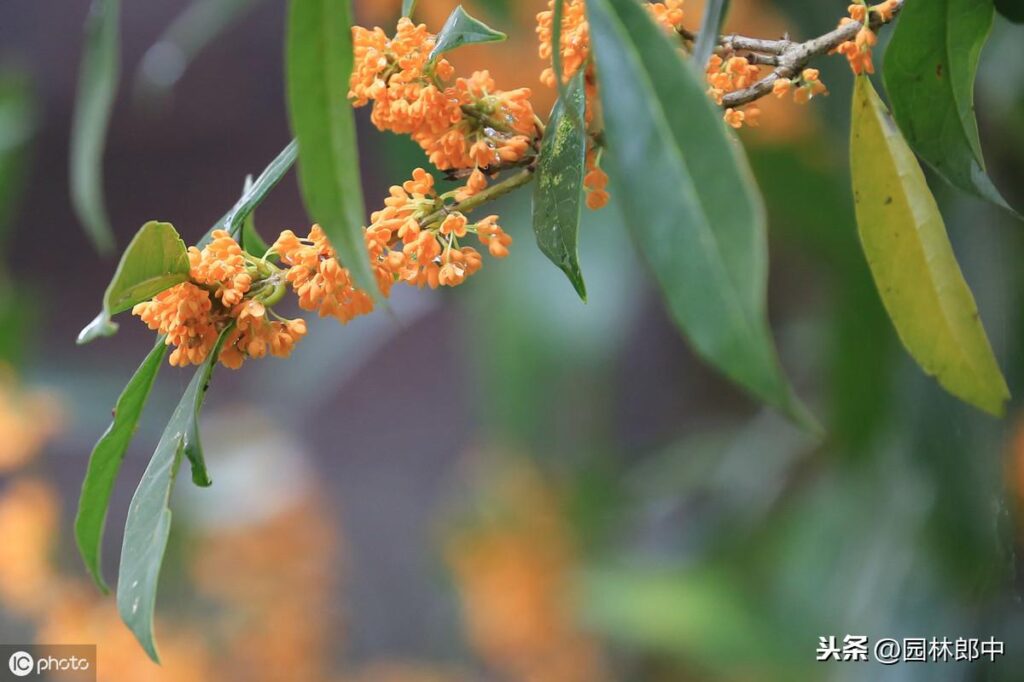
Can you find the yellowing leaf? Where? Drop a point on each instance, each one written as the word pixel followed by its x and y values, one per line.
pixel 912 261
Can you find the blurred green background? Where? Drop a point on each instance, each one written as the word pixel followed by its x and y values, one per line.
pixel 501 482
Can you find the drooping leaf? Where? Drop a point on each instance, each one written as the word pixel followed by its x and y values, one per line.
pixel 250 239
pixel 912 261
pixel 462 29
pixel 408 7
pixel 319 62
pixel 197 26
pixel 687 194
pixel 1012 10
pixel 929 72
pixel 97 88
pixel 155 260
pixel 149 515
pixel 558 196
pixel 105 462
pixel 710 27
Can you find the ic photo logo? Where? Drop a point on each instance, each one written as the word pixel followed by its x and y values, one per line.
pixel 71 662
pixel 21 663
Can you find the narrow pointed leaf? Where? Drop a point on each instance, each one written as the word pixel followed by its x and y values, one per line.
pixel 408 7
pixel 912 261
pixel 97 88
pixel 929 72
pixel 710 27
pixel 462 29
pixel 233 220
pixel 105 462
pixel 558 196
pixel 149 515
pixel 688 196
pixel 318 64
pixel 250 239
pixel 155 260
pixel 557 12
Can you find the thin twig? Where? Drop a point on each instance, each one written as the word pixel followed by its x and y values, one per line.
pixel 794 57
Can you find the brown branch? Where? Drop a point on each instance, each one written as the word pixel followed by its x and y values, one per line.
pixel 792 58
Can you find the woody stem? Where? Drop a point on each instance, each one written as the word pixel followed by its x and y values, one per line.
pixel 502 188
pixel 792 57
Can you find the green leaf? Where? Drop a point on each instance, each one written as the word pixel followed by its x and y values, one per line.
pixel 710 27
pixel 912 261
pixel 461 29
pixel 688 196
pixel 319 62
pixel 97 88
pixel 1012 10
pixel 149 515
pixel 558 196
pixel 155 260
pixel 233 221
pixel 556 55
pixel 929 72
pixel 105 462
pixel 408 7
pixel 250 240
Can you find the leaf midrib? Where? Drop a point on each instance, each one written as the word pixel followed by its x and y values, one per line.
pixel 737 310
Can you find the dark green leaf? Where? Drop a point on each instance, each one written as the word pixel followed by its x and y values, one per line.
pixel 105 462
pixel 710 27
pixel 462 29
pixel 408 7
pixel 688 196
pixel 250 240
pixel 149 515
pixel 1012 10
pixel 912 261
pixel 558 196
pixel 97 88
pixel 319 62
pixel 929 72
pixel 155 260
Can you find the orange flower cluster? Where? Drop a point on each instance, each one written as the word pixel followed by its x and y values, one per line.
pixel 804 88
pixel 254 335
pixel 184 313
pixel 414 239
pixel 468 124
pixel 575 37
pixel 318 279
pixel 728 75
pixel 192 320
pixel 858 50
